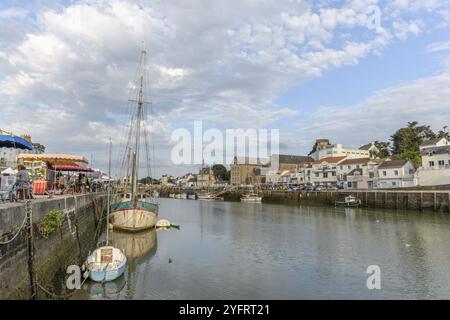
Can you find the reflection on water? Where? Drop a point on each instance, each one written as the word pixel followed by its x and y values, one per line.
pixel 227 250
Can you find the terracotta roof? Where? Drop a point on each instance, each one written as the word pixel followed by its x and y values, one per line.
pixel 356 161
pixel 392 164
pixel 330 160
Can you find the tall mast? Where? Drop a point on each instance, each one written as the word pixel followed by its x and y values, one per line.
pixel 140 103
pixel 109 191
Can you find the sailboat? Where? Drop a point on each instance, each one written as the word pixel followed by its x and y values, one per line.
pixel 135 211
pixel 106 263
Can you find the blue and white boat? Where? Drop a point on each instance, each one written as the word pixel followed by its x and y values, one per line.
pixel 106 264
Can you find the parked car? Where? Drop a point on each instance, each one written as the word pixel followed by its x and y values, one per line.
pixel 319 188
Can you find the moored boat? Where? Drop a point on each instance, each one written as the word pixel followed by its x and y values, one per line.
pixel 133 211
pixel 106 264
pixel 349 201
pixel 251 197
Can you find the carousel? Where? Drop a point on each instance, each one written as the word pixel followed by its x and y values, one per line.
pixel 45 169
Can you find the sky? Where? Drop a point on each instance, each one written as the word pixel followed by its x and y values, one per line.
pixel 312 69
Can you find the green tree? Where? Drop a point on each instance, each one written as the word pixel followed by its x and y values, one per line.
pixel 148 180
pixel 220 172
pixel 409 138
pixel 414 156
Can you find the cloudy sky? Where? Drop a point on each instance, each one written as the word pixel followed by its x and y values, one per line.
pixel 309 68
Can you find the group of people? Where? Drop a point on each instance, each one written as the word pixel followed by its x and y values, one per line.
pixel 63 184
pixel 76 183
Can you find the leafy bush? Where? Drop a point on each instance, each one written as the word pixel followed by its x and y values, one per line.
pixel 51 223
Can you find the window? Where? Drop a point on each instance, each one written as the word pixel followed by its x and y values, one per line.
pixel 357 166
pixel 441 163
pixel 333 174
pixel 384 173
pixel 396 172
pixel 325 174
pixel 431 163
pixel 342 167
pixel 349 167
pixel 394 183
pixel 317 174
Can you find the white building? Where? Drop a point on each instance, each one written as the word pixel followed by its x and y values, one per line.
pixel 324 171
pixel 435 169
pixel 325 150
pixel 395 174
pixel 358 173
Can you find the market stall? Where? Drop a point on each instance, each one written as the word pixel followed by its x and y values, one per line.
pixel 44 168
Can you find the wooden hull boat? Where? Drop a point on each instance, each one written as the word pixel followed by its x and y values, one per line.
pixel 127 216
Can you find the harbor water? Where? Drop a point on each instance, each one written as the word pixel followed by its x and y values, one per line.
pixel 233 250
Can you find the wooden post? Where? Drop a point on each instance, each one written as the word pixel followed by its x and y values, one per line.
pixel 435 201
pixel 448 203
pixel 375 200
pixel 421 200
pixel 396 200
pixel 31 272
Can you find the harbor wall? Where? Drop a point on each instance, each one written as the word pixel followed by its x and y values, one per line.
pixel 52 254
pixel 436 200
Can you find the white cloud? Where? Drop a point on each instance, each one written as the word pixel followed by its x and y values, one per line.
pixel 66 75
pixel 426 100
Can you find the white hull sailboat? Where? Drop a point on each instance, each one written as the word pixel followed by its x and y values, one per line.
pixel 134 211
pixel 106 263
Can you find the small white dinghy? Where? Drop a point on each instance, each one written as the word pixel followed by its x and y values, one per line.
pixel 163 223
pixel 106 264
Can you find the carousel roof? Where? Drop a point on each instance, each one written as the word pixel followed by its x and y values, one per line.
pixel 57 159
pixel 11 141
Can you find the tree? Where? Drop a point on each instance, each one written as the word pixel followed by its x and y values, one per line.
pixel 443 133
pixel 220 172
pixel 409 138
pixel 414 156
pixel 148 180
pixel 383 150
pixel 38 148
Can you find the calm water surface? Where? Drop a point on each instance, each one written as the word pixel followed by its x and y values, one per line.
pixel 227 250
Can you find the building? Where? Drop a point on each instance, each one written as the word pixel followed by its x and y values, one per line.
pixel 435 169
pixel 205 178
pixel 371 147
pixel 324 171
pixel 359 173
pixel 246 171
pixel 395 174
pixel 12 145
pixel 326 150
pixel 187 181
pixel 287 169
